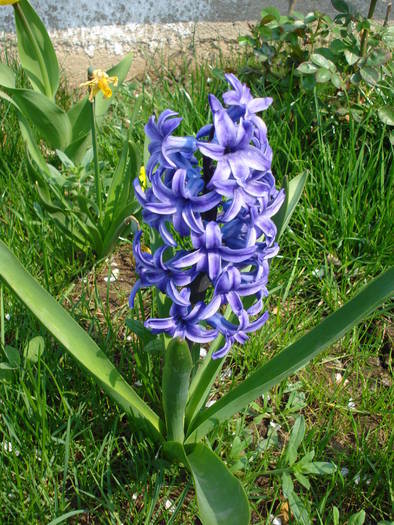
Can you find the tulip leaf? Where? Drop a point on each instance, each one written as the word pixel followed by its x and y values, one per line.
pixel 75 340
pixel 220 496
pixel 176 375
pixel 294 356
pixel 7 76
pixel 50 120
pixel 36 53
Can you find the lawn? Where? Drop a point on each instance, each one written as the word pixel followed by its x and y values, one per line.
pixel 68 454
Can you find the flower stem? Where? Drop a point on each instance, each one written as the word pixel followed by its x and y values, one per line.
pixel 40 58
pixel 95 158
pixel 364 36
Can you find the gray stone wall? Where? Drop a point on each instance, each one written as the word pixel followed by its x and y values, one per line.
pixel 99 32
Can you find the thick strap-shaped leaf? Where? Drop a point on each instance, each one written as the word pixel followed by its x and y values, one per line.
pixel 220 496
pixel 80 345
pixel 295 356
pixel 50 120
pixel 36 53
pixel 176 376
pixel 293 192
pixel 120 191
pixel 7 76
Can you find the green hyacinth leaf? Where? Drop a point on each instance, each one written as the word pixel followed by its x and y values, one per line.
pixel 293 192
pixel 76 341
pixel 220 496
pixel 295 356
pixel 176 376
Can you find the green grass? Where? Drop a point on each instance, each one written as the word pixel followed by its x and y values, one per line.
pixel 72 450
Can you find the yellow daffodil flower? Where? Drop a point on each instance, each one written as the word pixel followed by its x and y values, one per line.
pixel 99 81
pixel 142 177
pixel 8 2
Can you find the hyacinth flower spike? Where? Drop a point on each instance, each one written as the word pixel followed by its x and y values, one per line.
pixel 166 150
pixel 184 320
pixel 210 252
pixel 182 201
pixel 232 150
pixel 240 98
pixel 153 271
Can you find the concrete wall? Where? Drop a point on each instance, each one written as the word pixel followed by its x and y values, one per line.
pixel 99 32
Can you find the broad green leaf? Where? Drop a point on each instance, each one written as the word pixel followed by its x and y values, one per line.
pixel 50 120
pixel 36 51
pixel 386 115
pixel 293 192
pixel 302 479
pixel 319 468
pixel 340 5
pixel 268 14
pixel 336 81
pixel 370 75
pixel 357 519
pixel 74 339
pixel 307 68
pixel 13 356
pixel 351 58
pixel 296 437
pixel 220 496
pixel 34 349
pixel 323 62
pixel 295 356
pixel 138 328
pixel 296 504
pixel 176 376
pixel 335 515
pixel 323 75
pixel 7 76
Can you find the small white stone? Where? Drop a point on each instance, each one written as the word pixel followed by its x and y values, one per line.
pixel 134 496
pixel 210 403
pixel 274 425
pixel 203 352
pixel 129 338
pixel 113 277
pixel 351 404
pixel 344 471
pixel 7 446
pixel 7 317
pixel 274 520
pixel 318 272
pixel 226 374
pixel 138 383
pixel 356 479
pixel 169 505
pixel 338 378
